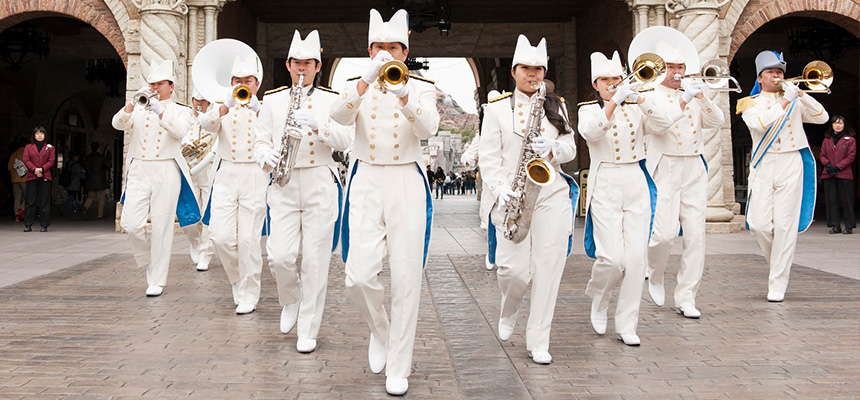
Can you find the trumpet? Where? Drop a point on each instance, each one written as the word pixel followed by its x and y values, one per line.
pixel 393 75
pixel 646 69
pixel 145 98
pixel 242 94
pixel 715 74
pixel 817 76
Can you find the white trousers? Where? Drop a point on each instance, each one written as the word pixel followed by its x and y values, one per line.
pixel 198 234
pixel 620 213
pixel 304 212
pixel 773 215
pixel 538 259
pixel 682 201
pixel 236 225
pixel 388 215
pixel 151 193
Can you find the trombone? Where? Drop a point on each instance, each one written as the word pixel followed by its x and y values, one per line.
pixel 646 69
pixel 393 75
pixel 817 76
pixel 715 74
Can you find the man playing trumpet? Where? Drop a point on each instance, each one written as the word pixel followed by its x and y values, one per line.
pixel 782 180
pixel 306 209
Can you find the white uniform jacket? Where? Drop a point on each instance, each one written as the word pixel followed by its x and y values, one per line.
pixel 763 111
pixel 685 137
pixel 618 140
pixel 154 138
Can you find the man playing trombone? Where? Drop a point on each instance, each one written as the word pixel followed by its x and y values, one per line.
pixel 677 164
pixel 305 207
pixel 782 180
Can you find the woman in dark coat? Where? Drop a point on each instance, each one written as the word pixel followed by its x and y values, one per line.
pixel 39 158
pixel 837 156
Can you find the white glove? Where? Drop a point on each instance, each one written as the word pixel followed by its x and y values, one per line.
pixel 305 118
pixel 543 146
pixel 229 101
pixel 272 158
pixel 142 91
pixel 791 91
pixel 402 92
pixel 187 140
pixel 625 92
pixel 254 104
pixel 372 73
pixel 504 197
pixel 692 88
pixel 155 106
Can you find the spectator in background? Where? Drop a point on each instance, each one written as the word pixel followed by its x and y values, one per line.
pixel 440 182
pixel 19 179
pixel 837 156
pixel 39 158
pixel 71 178
pixel 97 167
pixel 431 177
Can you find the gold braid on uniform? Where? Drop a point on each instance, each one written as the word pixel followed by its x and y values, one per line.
pixel 586 103
pixel 325 89
pixel 744 104
pixel 353 78
pixel 182 104
pixel 276 90
pixel 500 97
pixel 421 78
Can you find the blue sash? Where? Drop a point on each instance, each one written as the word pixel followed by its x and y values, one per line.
pixel 770 137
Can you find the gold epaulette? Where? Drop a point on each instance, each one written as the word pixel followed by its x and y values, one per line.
pixel 421 78
pixel 325 89
pixel 586 103
pixel 629 102
pixel 276 90
pixel 561 99
pixel 182 104
pixel 744 104
pixel 645 90
pixel 502 96
pixel 353 78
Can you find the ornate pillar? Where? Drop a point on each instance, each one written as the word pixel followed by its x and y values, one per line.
pixel 699 20
pixel 162 37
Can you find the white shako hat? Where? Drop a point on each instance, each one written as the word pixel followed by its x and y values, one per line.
pixel 525 54
pixel 603 67
pixel 395 30
pixel 161 71
pixel 247 66
pixel 306 49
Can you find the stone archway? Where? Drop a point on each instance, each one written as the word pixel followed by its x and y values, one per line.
pixel 96 13
pixel 745 17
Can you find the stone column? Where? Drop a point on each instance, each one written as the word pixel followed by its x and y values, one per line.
pixel 699 20
pixel 193 43
pixel 162 37
pixel 211 24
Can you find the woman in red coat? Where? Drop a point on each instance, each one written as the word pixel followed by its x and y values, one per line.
pixel 837 156
pixel 39 157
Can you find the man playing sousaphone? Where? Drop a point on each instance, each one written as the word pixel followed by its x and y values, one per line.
pixel 677 165
pixel 237 207
pixel 306 209
pixel 782 180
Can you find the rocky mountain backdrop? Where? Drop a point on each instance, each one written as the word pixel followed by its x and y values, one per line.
pixel 453 118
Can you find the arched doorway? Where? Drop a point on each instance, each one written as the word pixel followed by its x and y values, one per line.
pixel 65 75
pixel 802 37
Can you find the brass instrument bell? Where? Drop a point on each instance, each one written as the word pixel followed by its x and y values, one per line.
pixel 393 75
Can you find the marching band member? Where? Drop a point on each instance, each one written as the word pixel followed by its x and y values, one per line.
pixel 157 180
pixel 388 209
pixel 618 202
pixel 782 181
pixel 237 208
pixel 539 258
pixel 307 208
pixel 676 162
pixel 202 249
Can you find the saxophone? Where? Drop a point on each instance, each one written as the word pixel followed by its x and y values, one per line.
pixel 291 139
pixel 532 173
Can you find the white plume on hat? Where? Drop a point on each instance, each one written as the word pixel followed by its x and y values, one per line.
pixel 670 54
pixel 769 59
pixel 395 30
pixel 525 54
pixel 161 71
pixel 245 67
pixel 603 67
pixel 305 49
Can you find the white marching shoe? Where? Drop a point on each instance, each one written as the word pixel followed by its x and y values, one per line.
pixel 598 320
pixel 689 312
pixel 245 308
pixel 487 264
pixel 304 345
pixel 775 297
pixel 629 339
pixel 154 290
pixel 658 293
pixel 289 315
pixel 376 354
pixel 540 357
pixel 202 266
pixel 506 326
pixel 194 253
pixel 396 386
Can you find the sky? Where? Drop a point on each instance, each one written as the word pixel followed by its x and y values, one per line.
pixel 452 76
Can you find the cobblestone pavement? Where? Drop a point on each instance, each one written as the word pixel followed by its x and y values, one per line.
pixel 87 331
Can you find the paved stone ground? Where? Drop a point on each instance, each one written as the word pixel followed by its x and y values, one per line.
pixel 80 327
